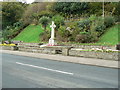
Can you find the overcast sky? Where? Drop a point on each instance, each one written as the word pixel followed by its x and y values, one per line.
pixel 28 1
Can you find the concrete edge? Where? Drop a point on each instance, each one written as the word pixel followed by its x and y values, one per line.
pixel 79 60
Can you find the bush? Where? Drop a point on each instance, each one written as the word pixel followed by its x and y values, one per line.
pixel 32 11
pixel 92 17
pixel 59 20
pixel 11 31
pixel 35 22
pixel 109 21
pixel 46 13
pixel 63 34
pixel 44 21
pixel 117 18
pixel 45 36
pixel 81 38
pixel 18 24
pixel 98 26
pixel 84 37
pixel 84 25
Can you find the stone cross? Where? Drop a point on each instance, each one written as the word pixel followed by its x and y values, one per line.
pixel 51 40
pixel 52 31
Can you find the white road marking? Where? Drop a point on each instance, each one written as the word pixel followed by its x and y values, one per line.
pixel 45 68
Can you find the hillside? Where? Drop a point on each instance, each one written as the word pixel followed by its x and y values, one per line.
pixel 111 36
pixel 30 34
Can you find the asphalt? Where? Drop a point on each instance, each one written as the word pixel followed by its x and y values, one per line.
pixel 29 72
pixel 58 57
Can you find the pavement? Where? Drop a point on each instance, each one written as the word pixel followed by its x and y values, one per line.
pixel 21 71
pixel 80 60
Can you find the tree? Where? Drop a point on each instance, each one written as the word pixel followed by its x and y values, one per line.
pixel 32 12
pixel 69 8
pixel 44 21
pixel 59 20
pixel 11 13
pixel 95 8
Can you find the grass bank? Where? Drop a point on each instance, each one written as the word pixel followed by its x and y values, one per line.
pixel 30 34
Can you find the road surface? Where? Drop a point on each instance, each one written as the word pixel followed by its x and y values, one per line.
pixel 28 72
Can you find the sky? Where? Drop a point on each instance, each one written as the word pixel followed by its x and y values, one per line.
pixel 28 1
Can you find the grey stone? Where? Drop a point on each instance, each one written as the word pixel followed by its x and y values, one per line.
pixel 95 54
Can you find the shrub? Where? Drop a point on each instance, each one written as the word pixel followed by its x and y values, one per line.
pixel 18 24
pixel 44 21
pixel 80 38
pixel 93 32
pixel 117 18
pixel 35 22
pixel 72 27
pixel 46 13
pixel 63 34
pixel 84 25
pixel 109 21
pixel 84 37
pixel 59 20
pixel 45 36
pixel 92 17
pixel 98 26
pixel 32 10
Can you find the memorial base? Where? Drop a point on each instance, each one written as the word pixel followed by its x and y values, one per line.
pixel 52 42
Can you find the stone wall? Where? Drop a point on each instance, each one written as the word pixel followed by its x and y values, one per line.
pixel 91 46
pixel 47 50
pixel 9 47
pixel 65 50
pixel 95 54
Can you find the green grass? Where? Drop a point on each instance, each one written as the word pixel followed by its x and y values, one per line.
pixel 110 37
pixel 30 34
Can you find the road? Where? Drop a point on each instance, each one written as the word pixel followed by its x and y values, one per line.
pixel 28 72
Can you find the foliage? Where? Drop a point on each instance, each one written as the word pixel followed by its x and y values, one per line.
pixel 69 8
pixel 117 10
pixel 95 8
pixel 11 13
pixel 81 38
pixel 45 36
pixel 93 33
pixel 44 21
pixel 109 21
pixel 59 20
pixel 92 17
pixel 98 26
pixel 84 25
pixel 63 34
pixel 72 26
pixel 111 8
pixel 32 12
pixel 73 29
pixel 11 31
pixel 46 13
